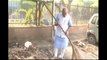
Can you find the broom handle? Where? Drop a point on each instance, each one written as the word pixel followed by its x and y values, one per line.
pixel 58 23
pixel 62 29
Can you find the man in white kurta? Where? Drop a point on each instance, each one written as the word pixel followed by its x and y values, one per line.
pixel 60 39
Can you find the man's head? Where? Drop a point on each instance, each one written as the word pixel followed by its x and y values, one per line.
pixel 64 11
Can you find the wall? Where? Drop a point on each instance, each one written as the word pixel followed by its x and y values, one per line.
pixel 22 34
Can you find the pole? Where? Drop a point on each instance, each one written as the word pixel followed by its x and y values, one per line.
pixel 53 13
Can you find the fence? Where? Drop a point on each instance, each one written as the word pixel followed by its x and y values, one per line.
pixel 82 14
pixel 24 18
pixel 38 15
pixel 30 15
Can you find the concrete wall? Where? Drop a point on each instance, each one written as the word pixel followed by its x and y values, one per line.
pixel 22 34
pixel 40 35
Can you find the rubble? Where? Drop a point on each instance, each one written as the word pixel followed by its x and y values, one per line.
pixel 46 52
pixel 33 53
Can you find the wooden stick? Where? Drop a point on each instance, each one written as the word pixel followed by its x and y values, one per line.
pixel 76 53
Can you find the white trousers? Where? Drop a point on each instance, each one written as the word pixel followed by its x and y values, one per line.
pixel 62 50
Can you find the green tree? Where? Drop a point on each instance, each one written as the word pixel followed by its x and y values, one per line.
pixel 29 17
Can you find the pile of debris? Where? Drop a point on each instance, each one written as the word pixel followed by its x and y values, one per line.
pixel 34 52
pixel 87 47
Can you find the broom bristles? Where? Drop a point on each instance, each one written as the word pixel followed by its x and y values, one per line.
pixel 76 52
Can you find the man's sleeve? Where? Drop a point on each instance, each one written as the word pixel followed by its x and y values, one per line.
pixel 70 22
pixel 57 18
pixel 55 21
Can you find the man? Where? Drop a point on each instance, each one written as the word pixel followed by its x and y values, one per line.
pixel 60 39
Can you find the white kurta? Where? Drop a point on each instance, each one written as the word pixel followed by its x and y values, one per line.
pixel 60 39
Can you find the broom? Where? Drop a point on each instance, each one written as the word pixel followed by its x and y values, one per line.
pixel 76 53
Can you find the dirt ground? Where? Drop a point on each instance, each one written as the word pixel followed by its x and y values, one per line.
pixel 44 49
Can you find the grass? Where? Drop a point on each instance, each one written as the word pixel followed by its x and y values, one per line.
pixel 16 21
pixel 21 23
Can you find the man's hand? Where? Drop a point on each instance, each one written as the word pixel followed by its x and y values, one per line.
pixel 66 33
pixel 56 24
